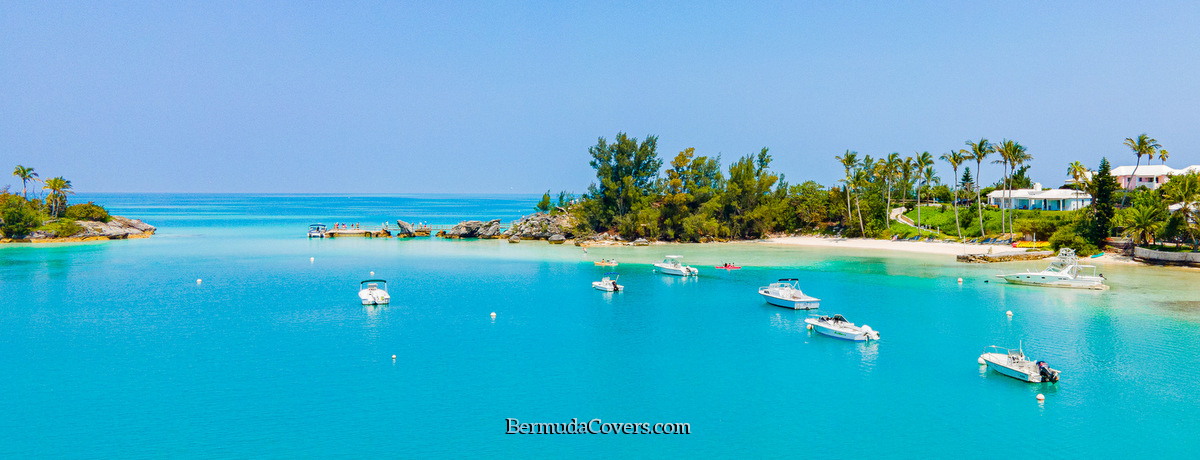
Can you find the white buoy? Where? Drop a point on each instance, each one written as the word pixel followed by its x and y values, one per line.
pixel 393 357
pixel 311 259
pixel 197 280
pixel 372 273
pixel 960 281
pixel 1041 397
pixel 810 327
pixel 493 315
pixel 981 361
pixel 1009 313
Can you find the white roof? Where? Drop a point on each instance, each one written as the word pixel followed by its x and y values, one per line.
pixel 1144 170
pixel 1047 194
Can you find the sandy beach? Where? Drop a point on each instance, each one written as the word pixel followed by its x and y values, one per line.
pixel 904 246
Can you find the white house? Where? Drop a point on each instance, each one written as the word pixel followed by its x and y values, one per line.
pixel 1037 198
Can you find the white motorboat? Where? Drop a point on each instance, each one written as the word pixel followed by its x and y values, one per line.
pixel 1013 363
pixel 316 231
pixel 671 266
pixel 837 326
pixel 786 293
pixel 1065 272
pixel 608 284
pixel 374 292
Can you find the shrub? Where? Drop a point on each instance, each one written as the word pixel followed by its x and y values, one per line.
pixel 64 228
pixel 88 211
pixel 1066 237
pixel 18 219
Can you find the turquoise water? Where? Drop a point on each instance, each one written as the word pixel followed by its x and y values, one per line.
pixel 112 349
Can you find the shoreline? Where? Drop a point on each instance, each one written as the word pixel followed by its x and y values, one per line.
pixel 924 247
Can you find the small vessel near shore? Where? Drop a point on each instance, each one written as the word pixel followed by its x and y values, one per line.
pixel 1064 272
pixel 316 230
pixel 608 284
pixel 838 327
pixel 1013 363
pixel 373 292
pixel 786 293
pixel 606 263
pixel 728 266
pixel 671 266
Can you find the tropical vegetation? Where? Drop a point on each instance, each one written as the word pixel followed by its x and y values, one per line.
pixel 20 216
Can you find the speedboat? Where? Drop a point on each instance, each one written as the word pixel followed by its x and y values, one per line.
pixel 316 231
pixel 728 266
pixel 372 294
pixel 671 266
pixel 608 284
pixel 1065 272
pixel 786 293
pixel 606 263
pixel 837 326
pixel 1013 363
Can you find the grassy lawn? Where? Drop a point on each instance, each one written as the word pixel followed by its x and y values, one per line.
pixel 942 217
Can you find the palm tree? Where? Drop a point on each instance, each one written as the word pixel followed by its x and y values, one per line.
pixel 861 179
pixel 1142 222
pixel 26 174
pixel 979 151
pixel 1143 145
pixel 955 159
pixel 1185 191
pixel 1163 154
pixel 59 188
pixel 923 160
pixel 1079 173
pixel 908 169
pixel 892 167
pixel 1014 155
pixel 849 160
pixel 1003 161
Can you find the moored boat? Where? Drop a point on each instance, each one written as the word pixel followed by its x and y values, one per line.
pixel 671 266
pixel 608 284
pixel 1013 363
pixel 374 292
pixel 316 231
pixel 606 263
pixel 786 293
pixel 1064 272
pixel 837 326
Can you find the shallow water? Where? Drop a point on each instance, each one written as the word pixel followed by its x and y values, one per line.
pixel 113 350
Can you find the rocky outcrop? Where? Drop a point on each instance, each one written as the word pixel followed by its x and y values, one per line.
pixel 473 229
pixel 403 230
pixel 514 239
pixel 557 239
pixel 542 226
pixel 1003 257
pixel 641 242
pixel 117 228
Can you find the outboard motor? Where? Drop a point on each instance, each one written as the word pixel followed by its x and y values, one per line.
pixel 1047 374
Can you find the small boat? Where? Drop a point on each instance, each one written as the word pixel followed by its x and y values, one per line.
pixel 606 263
pixel 1013 363
pixel 671 266
pixel 372 294
pixel 1064 272
pixel 786 293
pixel 728 266
pixel 837 326
pixel 608 284
pixel 316 231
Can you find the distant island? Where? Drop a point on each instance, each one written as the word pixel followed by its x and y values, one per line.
pixel 54 219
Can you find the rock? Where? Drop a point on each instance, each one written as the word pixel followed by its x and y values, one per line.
pixel 464 229
pixel 491 230
pixel 1003 257
pixel 403 229
pixel 557 239
pixel 542 226
pixel 641 242
pixel 514 239
pixel 42 234
pixel 117 228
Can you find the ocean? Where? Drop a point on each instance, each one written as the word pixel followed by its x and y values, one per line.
pixel 115 350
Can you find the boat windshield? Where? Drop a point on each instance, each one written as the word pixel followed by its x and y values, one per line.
pixel 838 318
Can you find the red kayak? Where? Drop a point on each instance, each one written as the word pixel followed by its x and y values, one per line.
pixel 728 267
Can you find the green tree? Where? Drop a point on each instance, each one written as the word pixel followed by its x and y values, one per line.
pixel 26 175
pixel 956 159
pixel 1184 192
pixel 849 162
pixel 979 151
pixel 626 172
pixel 1142 145
pixel 1145 218
pixel 17 216
pixel 1103 186
pixel 1079 173
pixel 544 205
pixel 923 161
pixel 59 189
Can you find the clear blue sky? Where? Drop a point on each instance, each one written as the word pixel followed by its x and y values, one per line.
pixel 402 97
